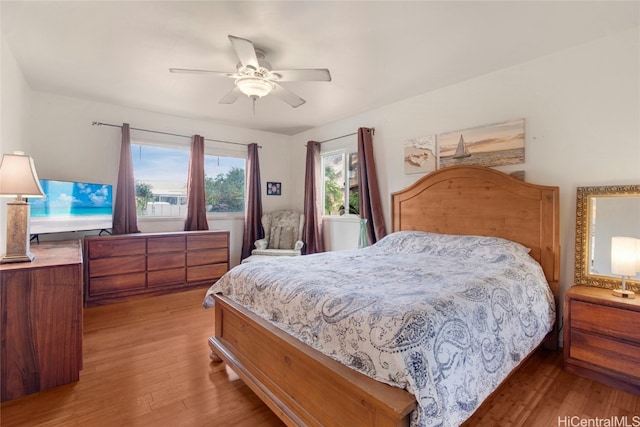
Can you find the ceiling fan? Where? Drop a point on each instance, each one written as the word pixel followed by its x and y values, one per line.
pixel 255 78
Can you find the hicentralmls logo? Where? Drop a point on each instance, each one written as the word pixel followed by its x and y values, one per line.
pixel 617 421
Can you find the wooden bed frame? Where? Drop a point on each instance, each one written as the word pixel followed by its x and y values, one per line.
pixel 306 388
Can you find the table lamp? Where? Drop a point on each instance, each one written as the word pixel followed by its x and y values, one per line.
pixel 624 262
pixel 18 179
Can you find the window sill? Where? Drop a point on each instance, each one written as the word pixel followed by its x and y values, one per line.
pixel 179 218
pixel 342 218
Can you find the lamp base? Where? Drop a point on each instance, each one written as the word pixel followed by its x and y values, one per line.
pixel 17 233
pixel 8 259
pixel 624 293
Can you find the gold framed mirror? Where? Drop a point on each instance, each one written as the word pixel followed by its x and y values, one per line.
pixel 601 213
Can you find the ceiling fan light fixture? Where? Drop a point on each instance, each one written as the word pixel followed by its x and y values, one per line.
pixel 254 87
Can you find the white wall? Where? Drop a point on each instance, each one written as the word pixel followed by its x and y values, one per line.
pixel 14 118
pixel 65 146
pixel 582 124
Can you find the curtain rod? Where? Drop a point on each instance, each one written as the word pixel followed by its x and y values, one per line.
pixel 169 133
pixel 373 131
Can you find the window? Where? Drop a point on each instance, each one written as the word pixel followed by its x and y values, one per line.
pixel 340 176
pixel 161 181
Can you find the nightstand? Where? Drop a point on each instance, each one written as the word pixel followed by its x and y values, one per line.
pixel 602 337
pixel 41 320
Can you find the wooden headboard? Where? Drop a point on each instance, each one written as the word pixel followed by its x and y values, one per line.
pixel 480 201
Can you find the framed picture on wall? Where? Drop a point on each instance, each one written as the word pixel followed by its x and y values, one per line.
pixel 492 145
pixel 420 155
pixel 274 188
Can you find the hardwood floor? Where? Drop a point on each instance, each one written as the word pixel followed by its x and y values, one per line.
pixel 146 363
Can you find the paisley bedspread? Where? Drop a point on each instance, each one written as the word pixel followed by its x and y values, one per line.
pixel 444 317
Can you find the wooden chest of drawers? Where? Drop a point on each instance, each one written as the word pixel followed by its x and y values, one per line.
pixel 41 320
pixel 602 337
pixel 121 267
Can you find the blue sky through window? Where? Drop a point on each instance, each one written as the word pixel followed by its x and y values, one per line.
pixel 154 163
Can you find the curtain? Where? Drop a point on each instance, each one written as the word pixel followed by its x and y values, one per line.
pixel 313 242
pixel 125 217
pixel 253 217
pixel 196 201
pixel 370 207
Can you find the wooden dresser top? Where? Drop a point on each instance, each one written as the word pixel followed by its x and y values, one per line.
pixel 49 254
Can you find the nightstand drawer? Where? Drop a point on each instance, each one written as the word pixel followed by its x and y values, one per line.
pixel 600 351
pixel 609 321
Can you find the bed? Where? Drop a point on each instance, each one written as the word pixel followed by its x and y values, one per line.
pixel 345 356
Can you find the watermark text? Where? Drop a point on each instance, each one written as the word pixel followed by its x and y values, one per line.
pixel 615 421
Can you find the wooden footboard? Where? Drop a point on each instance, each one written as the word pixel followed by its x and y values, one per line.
pixel 302 386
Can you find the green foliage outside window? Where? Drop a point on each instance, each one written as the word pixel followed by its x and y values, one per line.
pixel 225 193
pixel 333 192
pixel 144 194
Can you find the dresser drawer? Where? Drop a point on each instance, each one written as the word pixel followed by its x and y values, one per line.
pixel 206 272
pixel 166 244
pixel 100 248
pixel 117 265
pixel 209 256
pixel 207 241
pixel 608 321
pixel 165 261
pixel 601 351
pixel 118 283
pixel 171 276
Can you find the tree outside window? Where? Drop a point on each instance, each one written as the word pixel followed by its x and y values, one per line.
pixel 341 192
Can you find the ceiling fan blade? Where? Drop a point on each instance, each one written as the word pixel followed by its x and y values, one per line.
pixel 245 51
pixel 309 75
pixel 190 71
pixel 287 96
pixel 230 97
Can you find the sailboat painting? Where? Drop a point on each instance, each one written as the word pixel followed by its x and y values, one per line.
pixel 493 145
pixel 420 155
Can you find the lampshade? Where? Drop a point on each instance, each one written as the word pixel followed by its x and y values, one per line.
pixel 254 87
pixel 18 177
pixel 623 256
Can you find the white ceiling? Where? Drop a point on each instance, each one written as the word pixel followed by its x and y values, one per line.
pixel 378 52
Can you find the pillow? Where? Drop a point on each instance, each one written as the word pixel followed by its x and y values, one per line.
pixel 425 242
pixel 274 238
pixel 286 238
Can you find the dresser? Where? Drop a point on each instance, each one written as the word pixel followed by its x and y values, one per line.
pixel 602 337
pixel 122 267
pixel 41 323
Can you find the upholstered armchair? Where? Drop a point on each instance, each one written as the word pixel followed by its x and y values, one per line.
pixel 282 234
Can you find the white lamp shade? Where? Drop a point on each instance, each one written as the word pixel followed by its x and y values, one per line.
pixel 623 256
pixel 18 177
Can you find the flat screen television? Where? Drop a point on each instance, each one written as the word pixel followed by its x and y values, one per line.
pixel 71 206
